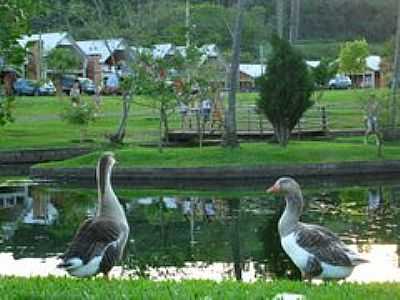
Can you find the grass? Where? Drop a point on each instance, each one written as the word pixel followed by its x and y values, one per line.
pixel 65 288
pixel 250 154
pixel 38 124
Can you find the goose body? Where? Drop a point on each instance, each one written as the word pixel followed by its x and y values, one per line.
pixel 100 241
pixel 315 250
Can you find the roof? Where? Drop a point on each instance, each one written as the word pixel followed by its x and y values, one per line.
pixel 253 70
pixel 211 50
pixel 162 50
pixel 313 63
pixel 49 40
pixel 373 62
pixel 103 48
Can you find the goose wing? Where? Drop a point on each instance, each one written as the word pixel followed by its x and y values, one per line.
pixel 324 245
pixel 95 237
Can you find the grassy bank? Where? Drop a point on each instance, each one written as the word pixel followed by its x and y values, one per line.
pixel 63 288
pixel 38 124
pixel 254 154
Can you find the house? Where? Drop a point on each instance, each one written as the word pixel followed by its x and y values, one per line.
pixel 372 77
pixel 163 51
pixel 105 57
pixel 248 76
pixel 39 46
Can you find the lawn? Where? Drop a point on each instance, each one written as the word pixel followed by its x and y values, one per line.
pixel 249 154
pixel 65 288
pixel 38 124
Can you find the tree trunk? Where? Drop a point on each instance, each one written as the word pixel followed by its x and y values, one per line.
pixel 280 11
pixel 294 20
pixel 230 136
pixel 396 74
pixel 282 134
pixel 165 124
pixel 118 137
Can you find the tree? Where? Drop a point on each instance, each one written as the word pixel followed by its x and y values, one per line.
pixel 285 90
pixel 280 17
pixel 230 136
pixel 81 115
pixel 323 72
pixel 352 57
pixel 396 73
pixel 14 21
pixel 60 61
pixel 152 79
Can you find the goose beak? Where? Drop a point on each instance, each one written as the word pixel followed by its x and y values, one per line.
pixel 273 189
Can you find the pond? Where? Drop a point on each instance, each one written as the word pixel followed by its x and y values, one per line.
pixel 204 234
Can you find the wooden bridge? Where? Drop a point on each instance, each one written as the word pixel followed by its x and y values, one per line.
pixel 254 126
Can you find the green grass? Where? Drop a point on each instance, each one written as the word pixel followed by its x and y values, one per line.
pixel 38 125
pixel 65 288
pixel 251 154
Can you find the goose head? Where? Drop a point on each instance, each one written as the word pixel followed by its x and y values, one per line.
pixel 285 186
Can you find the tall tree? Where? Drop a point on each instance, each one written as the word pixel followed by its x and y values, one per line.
pixel 352 57
pixel 280 16
pixel 14 21
pixel 294 20
pixel 285 90
pixel 396 73
pixel 230 135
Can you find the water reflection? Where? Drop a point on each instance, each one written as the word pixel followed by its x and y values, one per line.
pixel 205 237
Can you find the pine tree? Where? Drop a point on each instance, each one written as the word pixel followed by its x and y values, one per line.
pixel 285 89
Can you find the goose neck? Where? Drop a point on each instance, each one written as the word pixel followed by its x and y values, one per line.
pixel 291 214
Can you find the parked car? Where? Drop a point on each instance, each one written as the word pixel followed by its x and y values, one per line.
pixel 47 89
pixel 66 83
pixel 87 86
pixel 340 82
pixel 26 87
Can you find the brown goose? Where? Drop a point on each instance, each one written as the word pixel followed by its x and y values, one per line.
pixel 315 250
pixel 100 241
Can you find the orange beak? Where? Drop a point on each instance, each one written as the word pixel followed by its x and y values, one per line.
pixel 273 189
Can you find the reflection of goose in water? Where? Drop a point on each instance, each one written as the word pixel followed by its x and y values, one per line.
pixel 100 241
pixel 315 250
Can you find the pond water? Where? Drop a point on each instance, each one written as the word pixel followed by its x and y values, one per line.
pixel 204 234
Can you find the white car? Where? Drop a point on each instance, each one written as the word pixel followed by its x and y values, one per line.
pixel 340 82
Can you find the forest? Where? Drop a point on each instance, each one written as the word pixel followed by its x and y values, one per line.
pixel 323 24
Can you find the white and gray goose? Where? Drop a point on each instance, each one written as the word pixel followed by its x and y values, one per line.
pixel 100 241
pixel 315 250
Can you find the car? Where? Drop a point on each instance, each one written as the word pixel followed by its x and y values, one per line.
pixel 26 87
pixel 340 82
pixel 47 89
pixel 66 83
pixel 87 86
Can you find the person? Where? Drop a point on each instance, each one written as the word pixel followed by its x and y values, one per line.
pixel 206 109
pixel 183 110
pixel 112 83
pixel 75 93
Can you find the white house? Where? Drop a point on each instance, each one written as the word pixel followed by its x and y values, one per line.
pixel 105 57
pixel 40 45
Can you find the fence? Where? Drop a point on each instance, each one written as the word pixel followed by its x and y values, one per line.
pixel 248 119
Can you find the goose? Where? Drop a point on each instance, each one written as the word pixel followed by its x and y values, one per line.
pixel 315 250
pixel 100 241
